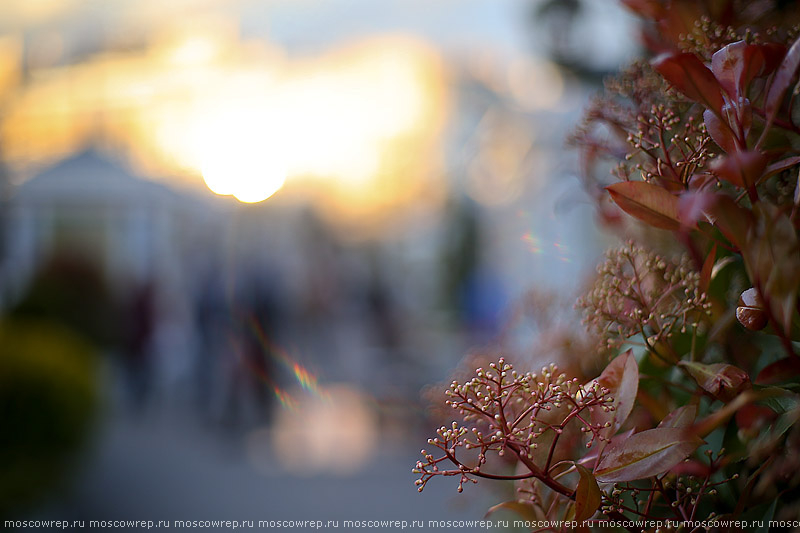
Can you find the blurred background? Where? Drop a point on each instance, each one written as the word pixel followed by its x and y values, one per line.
pixel 241 239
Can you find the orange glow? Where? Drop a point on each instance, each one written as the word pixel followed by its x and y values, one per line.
pixel 34 10
pixel 334 435
pixel 333 118
pixel 535 84
pixel 10 63
pixel 356 129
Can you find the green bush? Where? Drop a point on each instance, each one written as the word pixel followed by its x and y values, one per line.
pixel 47 398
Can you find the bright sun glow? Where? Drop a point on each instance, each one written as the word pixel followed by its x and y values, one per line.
pixel 355 130
pixel 250 130
pixel 238 154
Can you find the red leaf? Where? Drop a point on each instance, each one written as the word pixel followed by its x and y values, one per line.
pixel 649 453
pixel 720 210
pixel 797 192
pixel 621 378
pixel 773 54
pixel 719 417
pixel 587 495
pixel 727 64
pixel 721 380
pixel 681 417
pixel 754 416
pixel 753 66
pixel 525 510
pixel 679 19
pixel 691 468
pixel 691 77
pixel 591 457
pixel 740 113
pixel 701 180
pixel 720 132
pixel 782 165
pixel 695 207
pixel 647 202
pixel 731 219
pixel 742 169
pixel 708 269
pixel 781 82
pixel 735 65
pixel 649 9
pixel 779 371
pixel 750 310
pixel 771 255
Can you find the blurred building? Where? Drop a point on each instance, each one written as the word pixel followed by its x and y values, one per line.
pixel 101 250
pixel 92 207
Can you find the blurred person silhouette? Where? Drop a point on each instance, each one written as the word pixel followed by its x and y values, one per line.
pixel 212 320
pixel 238 360
pixel 381 311
pixel 473 294
pixel 139 325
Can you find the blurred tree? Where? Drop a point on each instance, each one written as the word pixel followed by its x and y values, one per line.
pixel 563 23
pixel 47 399
pixel 71 290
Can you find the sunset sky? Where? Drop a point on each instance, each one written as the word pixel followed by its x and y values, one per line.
pixel 346 100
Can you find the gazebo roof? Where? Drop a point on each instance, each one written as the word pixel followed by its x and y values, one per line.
pixel 90 177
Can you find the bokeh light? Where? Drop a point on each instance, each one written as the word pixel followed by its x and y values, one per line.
pixel 335 434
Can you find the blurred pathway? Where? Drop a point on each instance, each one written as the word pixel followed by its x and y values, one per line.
pixel 170 470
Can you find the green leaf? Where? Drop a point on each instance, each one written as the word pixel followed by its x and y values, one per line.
pixel 647 202
pixel 785 421
pixel 780 401
pixel 587 495
pixel 767 517
pixel 649 453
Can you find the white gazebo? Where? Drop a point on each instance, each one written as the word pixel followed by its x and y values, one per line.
pixel 92 206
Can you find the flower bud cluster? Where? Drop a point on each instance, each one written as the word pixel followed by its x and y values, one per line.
pixel 665 140
pixel 666 148
pixel 510 412
pixel 679 493
pixel 638 292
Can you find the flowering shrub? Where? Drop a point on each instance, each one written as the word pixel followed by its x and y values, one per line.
pixel 694 417
pixel 638 292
